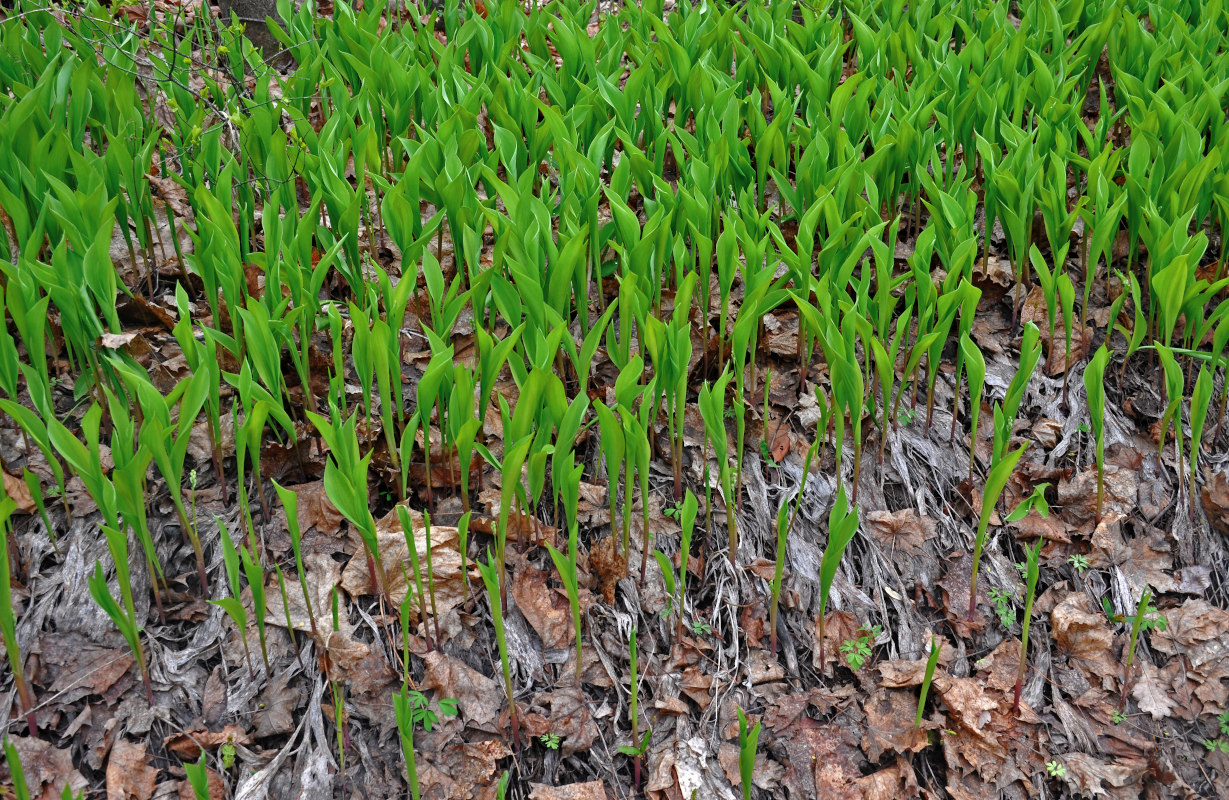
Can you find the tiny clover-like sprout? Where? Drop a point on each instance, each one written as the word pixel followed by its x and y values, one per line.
pixel 551 740
pixel 1078 562
pixel 1056 769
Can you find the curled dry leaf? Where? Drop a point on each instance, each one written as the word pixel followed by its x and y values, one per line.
pixel 188 745
pixel 608 566
pixel 898 674
pixel 16 488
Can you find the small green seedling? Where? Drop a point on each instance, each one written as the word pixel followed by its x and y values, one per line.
pixel 995 481
pixel 1094 386
pixel 748 740
pixel 928 677
pixel 1146 618
pixel 857 651
pixel 1033 570
pixel 198 777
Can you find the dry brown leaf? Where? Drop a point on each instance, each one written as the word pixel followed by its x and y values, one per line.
pixel 1215 496
pixel 128 776
pixel 277 706
pixel 890 715
pixel 899 674
pixel 904 529
pixel 445 565
pixel 461 772
pixel 478 697
pixel 608 566
pixel 839 626
pixel 570 719
pixel 1093 777
pixel 1078 496
pixel 114 341
pixel 47 768
pixel 187 745
pixel 315 509
pixel 1150 691
pixel 593 790
pixel 1198 630
pixel 821 763
pixel 893 783
pixel 77 668
pixel 956 582
pixel 16 488
pixel 969 707
pixel 1057 360
pixel 547 610
pixel 1081 632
